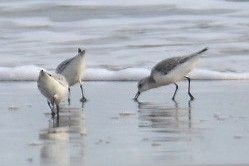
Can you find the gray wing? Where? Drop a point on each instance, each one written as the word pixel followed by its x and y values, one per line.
pixel 167 65
pixel 63 65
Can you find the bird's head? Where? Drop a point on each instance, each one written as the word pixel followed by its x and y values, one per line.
pixel 143 85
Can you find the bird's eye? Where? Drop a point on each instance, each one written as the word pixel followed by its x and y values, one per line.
pixel 50 75
pixel 139 85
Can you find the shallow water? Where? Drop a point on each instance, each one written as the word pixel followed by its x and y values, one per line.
pixel 119 35
pixel 112 129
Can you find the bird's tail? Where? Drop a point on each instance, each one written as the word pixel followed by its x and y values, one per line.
pixel 81 52
pixel 199 52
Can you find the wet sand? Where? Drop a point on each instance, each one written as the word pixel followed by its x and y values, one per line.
pixel 111 129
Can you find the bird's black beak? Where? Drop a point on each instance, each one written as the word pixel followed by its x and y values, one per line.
pixel 135 98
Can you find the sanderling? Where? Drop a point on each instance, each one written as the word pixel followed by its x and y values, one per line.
pixel 73 70
pixel 170 71
pixel 53 87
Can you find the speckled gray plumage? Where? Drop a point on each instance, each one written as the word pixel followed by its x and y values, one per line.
pixel 167 65
pixel 63 65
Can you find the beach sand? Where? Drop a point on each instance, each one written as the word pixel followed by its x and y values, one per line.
pixel 111 129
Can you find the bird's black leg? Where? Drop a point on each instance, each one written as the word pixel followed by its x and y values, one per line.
pixel 58 109
pixel 52 108
pixel 190 95
pixel 173 98
pixel 49 104
pixel 83 99
pixel 57 124
pixel 68 99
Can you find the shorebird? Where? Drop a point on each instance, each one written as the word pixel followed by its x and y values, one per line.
pixel 170 71
pixel 53 87
pixel 73 70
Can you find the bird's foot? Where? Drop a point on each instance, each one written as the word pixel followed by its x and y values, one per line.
pixel 173 99
pixel 191 97
pixel 69 101
pixel 53 114
pixel 83 99
pixel 135 99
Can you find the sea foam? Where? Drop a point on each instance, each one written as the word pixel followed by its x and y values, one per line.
pixel 19 73
pixel 30 73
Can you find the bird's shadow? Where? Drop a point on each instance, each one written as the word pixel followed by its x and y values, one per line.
pixel 170 116
pixel 70 119
pixel 64 130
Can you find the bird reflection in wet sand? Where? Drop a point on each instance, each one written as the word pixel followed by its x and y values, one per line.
pixel 165 127
pixel 164 117
pixel 63 140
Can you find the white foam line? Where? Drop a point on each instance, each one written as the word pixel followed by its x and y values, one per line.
pixel 19 73
pixel 31 72
pixel 202 74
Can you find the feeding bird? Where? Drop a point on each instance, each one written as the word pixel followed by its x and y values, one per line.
pixel 73 69
pixel 54 88
pixel 169 71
